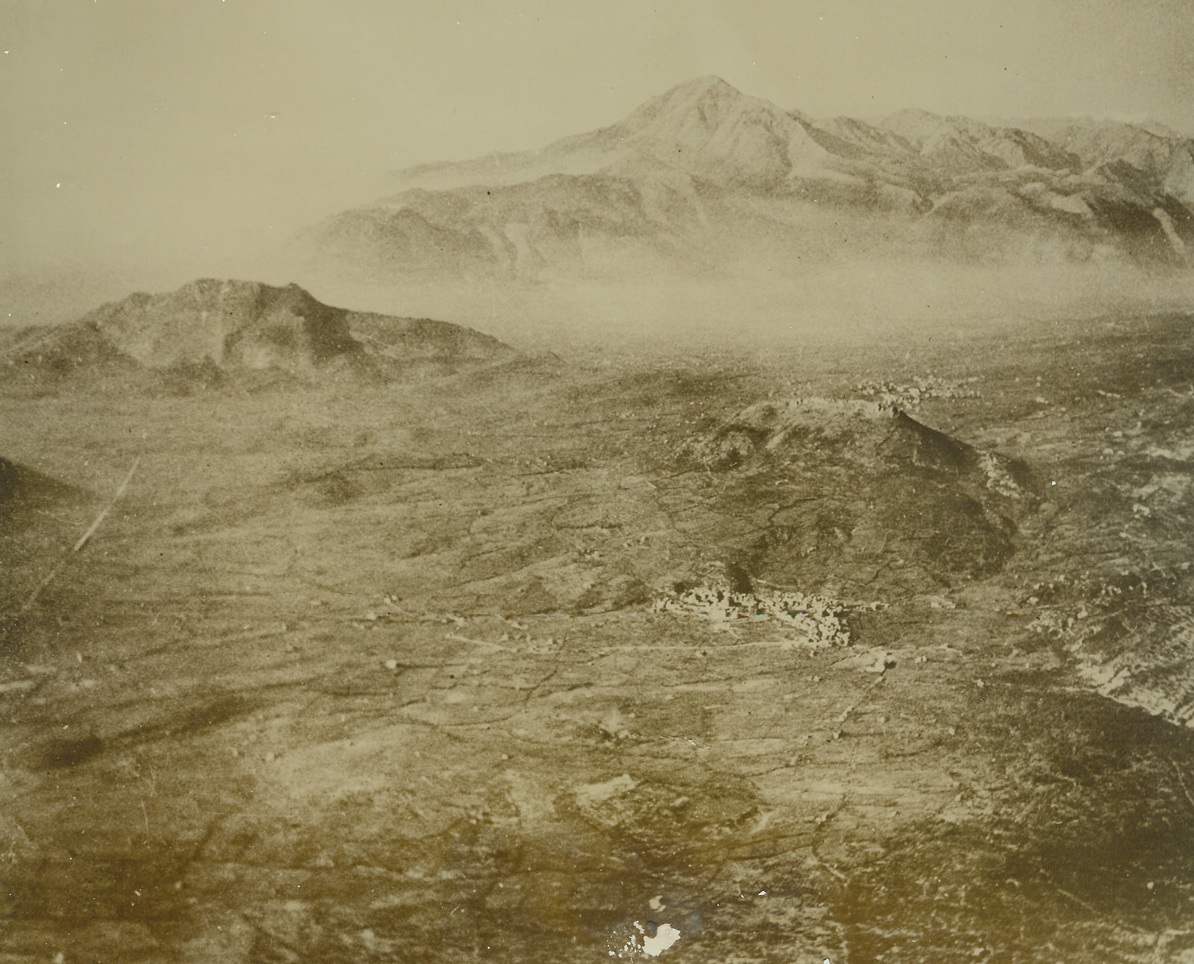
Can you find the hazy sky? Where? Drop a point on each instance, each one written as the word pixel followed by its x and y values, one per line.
pixel 182 129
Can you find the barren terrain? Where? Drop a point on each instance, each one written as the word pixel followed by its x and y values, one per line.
pixel 811 656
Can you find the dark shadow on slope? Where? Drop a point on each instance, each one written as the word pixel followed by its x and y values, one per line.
pixel 23 488
pixel 856 495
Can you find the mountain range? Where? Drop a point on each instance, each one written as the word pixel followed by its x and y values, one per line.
pixel 704 174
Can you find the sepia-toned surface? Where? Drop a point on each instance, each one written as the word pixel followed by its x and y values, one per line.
pixel 755 527
pixel 377 675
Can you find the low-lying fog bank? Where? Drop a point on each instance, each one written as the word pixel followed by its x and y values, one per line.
pixel 772 305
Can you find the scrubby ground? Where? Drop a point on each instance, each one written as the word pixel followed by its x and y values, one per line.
pixel 492 667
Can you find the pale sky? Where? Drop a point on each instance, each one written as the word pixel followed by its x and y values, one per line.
pixel 134 130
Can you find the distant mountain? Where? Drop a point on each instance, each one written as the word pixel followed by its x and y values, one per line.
pixel 1156 159
pixel 692 173
pixel 704 128
pixel 226 326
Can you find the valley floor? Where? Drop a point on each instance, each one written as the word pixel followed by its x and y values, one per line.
pixel 357 675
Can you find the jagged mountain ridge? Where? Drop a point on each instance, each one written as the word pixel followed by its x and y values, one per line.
pixel 229 325
pixel 661 186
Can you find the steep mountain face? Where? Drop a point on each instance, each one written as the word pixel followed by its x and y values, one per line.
pixel 954 146
pixel 246 325
pixel 709 130
pixel 1157 160
pixel 558 220
pixel 663 186
pixel 704 128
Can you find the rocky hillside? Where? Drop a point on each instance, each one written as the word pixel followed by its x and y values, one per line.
pixel 227 326
pixel 689 174
pixel 837 492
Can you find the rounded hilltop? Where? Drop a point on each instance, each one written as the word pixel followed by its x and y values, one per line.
pixel 838 490
pixel 228 325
